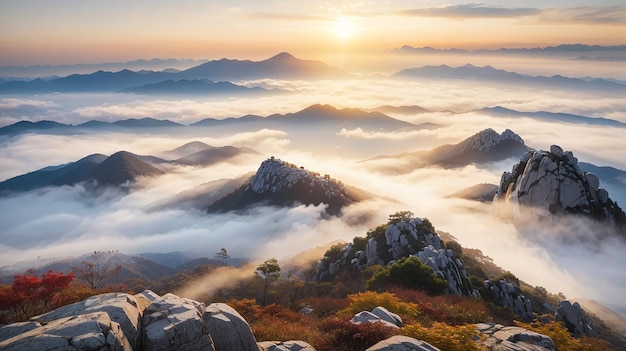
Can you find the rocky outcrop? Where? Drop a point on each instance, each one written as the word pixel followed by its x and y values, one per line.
pixel 280 183
pixel 380 315
pixel 228 328
pixel 91 331
pixel 174 323
pixel 508 295
pixel 501 338
pixel 402 343
pixel 120 308
pixel 292 345
pixel 139 322
pixel 551 182
pixel 575 319
pixel 402 238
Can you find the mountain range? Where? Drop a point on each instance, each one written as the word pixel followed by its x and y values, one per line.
pixel 315 115
pixel 281 66
pixel 499 111
pixel 471 73
pixel 120 168
pixel 188 87
pixel 559 49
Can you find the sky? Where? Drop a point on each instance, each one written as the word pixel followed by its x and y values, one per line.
pixel 40 32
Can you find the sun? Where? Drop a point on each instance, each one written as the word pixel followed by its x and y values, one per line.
pixel 344 28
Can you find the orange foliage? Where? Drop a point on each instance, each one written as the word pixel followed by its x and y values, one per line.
pixel 451 309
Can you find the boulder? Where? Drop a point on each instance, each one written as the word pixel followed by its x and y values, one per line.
pixel 575 319
pixel 175 324
pixel 293 345
pixel 507 294
pixel 390 317
pixel 228 328
pixel 369 317
pixel 402 343
pixel 501 338
pixel 92 331
pixel 121 308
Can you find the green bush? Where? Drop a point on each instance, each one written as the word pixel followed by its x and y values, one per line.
pixel 408 272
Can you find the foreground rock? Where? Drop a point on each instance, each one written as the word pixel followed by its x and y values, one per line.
pixel 551 182
pixel 402 343
pixel 174 323
pixel 144 321
pixel 230 331
pixel 501 338
pixel 92 331
pixel 120 308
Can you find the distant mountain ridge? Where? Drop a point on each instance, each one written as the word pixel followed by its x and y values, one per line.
pixel 551 116
pixel 470 73
pixel 317 114
pixel 194 87
pixel 281 66
pixel 120 169
pixel 563 48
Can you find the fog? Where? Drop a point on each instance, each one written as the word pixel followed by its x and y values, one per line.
pixel 71 220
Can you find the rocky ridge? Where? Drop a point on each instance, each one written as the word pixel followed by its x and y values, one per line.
pixel 487 139
pixel 552 182
pixel 280 183
pixel 146 321
pixel 402 238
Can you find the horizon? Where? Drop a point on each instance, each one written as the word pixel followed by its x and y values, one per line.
pixel 91 32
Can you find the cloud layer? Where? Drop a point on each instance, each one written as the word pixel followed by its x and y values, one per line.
pixel 71 221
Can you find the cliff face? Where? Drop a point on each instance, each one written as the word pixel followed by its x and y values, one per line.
pixel 552 182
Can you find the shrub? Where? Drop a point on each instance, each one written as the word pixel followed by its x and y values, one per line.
pixel 450 309
pixel 563 340
pixel 408 272
pixel 446 337
pixel 346 336
pixel 325 306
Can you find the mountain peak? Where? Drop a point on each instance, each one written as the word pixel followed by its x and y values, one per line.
pixel 283 56
pixel 280 183
pixel 120 168
pixel 275 175
pixel 487 139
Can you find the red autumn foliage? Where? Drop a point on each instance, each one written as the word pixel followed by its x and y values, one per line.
pixel 30 295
